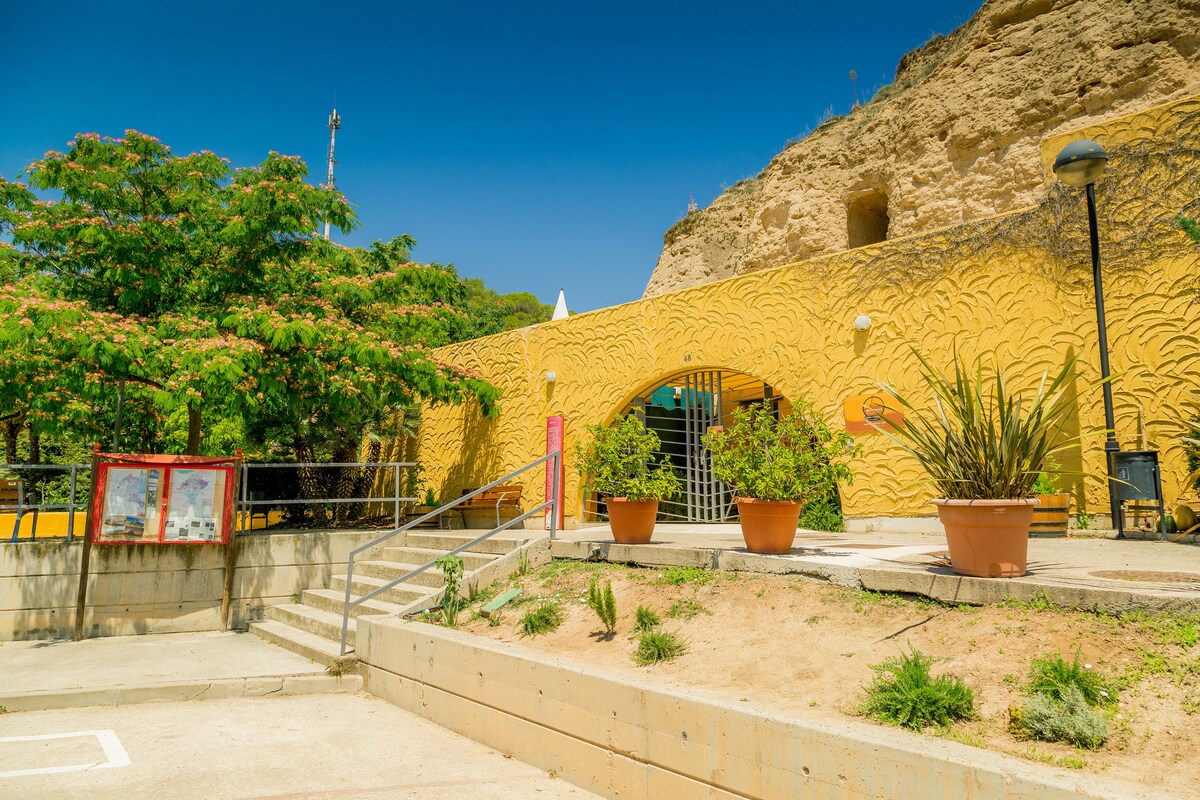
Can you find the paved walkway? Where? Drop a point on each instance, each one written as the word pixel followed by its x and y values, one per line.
pixel 133 669
pixel 1092 572
pixel 344 746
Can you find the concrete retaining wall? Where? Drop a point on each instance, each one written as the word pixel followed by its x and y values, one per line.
pixel 625 739
pixel 160 589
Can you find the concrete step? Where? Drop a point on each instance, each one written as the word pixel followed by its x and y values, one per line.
pixel 333 601
pixel 385 571
pixel 420 555
pixel 446 541
pixel 299 641
pixel 325 624
pixel 402 594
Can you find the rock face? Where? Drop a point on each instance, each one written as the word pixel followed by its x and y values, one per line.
pixel 953 139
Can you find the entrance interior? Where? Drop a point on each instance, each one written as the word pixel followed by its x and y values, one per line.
pixel 680 410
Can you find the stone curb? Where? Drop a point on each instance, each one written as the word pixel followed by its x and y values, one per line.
pixel 943 585
pixel 182 690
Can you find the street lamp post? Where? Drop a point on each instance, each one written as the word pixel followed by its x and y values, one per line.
pixel 1081 163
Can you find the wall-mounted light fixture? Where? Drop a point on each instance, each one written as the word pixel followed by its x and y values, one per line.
pixel 862 322
pixel 551 377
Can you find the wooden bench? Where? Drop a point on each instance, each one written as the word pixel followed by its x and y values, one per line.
pixel 12 498
pixel 498 497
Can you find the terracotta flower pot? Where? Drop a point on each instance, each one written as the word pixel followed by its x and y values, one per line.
pixel 632 521
pixel 768 526
pixel 987 538
pixel 1051 515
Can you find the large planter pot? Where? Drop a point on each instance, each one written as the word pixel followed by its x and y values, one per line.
pixel 632 521
pixel 768 526
pixel 1051 514
pixel 987 538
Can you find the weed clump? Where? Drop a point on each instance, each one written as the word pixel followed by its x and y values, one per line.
pixel 657 646
pixel 686 609
pixel 1062 701
pixel 451 604
pixel 543 618
pixel 904 693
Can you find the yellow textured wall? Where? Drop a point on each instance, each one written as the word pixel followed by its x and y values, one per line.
pixel 1015 289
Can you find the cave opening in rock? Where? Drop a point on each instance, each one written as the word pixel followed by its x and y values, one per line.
pixel 867 218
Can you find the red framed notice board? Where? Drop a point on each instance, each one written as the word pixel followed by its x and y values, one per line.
pixel 157 503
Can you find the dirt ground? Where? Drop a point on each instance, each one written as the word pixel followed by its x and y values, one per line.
pixel 807 647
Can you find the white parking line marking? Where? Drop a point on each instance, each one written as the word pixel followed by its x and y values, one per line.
pixel 114 751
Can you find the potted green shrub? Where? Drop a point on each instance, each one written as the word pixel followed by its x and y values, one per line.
pixel 618 462
pixel 1053 511
pixel 983 449
pixel 775 466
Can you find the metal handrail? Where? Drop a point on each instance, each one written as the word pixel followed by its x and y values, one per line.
pixel 551 503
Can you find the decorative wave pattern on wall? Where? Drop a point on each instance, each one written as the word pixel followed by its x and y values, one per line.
pixel 993 290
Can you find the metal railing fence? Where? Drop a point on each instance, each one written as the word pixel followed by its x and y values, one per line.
pixel 247 502
pixel 39 490
pixel 551 504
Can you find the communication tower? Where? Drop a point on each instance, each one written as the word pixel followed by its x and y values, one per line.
pixel 335 122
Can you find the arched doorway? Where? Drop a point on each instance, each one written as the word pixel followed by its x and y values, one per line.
pixel 680 409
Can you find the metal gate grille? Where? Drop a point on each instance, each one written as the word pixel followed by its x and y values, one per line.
pixel 680 411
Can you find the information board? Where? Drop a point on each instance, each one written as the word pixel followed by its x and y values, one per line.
pixel 149 503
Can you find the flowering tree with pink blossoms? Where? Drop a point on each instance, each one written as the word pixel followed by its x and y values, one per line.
pixel 205 293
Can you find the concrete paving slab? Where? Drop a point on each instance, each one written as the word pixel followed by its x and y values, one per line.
pixel 345 746
pixel 1092 571
pixel 134 669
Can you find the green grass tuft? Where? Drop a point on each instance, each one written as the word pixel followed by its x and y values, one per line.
pixel 1054 677
pixel 676 576
pixel 543 618
pixel 645 620
pixel 905 694
pixel 657 646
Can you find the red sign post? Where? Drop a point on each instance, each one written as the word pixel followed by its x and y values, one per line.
pixel 554 478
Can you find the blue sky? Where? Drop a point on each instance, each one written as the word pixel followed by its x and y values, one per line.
pixel 537 145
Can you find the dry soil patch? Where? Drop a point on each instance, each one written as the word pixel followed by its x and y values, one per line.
pixel 807 648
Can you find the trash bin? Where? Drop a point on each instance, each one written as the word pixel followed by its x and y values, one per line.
pixel 1138 479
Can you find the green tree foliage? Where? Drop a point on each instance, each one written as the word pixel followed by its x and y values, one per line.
pixel 205 291
pixel 489 312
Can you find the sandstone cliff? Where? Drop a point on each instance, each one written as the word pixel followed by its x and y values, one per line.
pixel 953 139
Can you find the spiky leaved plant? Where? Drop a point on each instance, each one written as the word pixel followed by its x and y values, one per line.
pixel 980 442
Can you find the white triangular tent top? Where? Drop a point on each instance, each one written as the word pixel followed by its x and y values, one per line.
pixel 560 308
